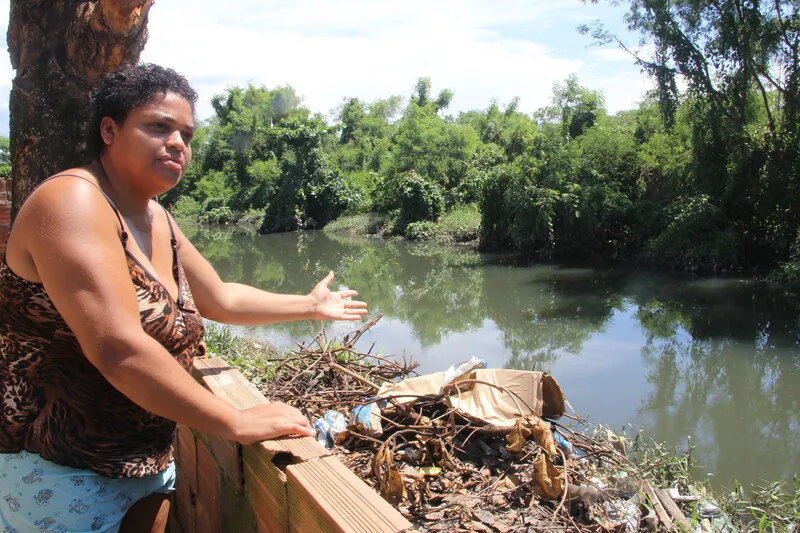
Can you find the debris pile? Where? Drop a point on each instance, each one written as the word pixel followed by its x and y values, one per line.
pixel 475 449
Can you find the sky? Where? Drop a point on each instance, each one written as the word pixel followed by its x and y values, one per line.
pixel 482 50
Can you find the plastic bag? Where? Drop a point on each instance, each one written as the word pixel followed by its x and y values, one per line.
pixel 454 371
pixel 331 429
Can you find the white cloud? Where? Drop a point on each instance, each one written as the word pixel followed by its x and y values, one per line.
pixel 331 50
pixel 328 51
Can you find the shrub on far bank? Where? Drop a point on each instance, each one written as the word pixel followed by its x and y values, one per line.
pixel 786 274
pixel 420 231
pixel 697 238
pixel 461 225
pixel 218 215
pixel 187 207
pixel 359 224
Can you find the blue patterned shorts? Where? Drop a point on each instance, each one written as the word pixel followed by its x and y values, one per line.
pixel 37 496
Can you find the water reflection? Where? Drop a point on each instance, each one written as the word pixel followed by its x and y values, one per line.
pixel 715 359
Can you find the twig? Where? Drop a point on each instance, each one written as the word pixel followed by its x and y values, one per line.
pixel 351 341
pixel 566 488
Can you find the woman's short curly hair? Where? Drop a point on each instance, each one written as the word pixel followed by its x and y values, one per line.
pixel 121 91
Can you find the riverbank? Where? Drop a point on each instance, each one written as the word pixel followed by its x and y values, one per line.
pixel 774 507
pixel 461 227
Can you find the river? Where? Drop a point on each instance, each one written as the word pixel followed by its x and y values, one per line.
pixel 717 359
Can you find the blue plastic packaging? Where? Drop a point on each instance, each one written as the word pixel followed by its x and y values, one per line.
pixel 329 428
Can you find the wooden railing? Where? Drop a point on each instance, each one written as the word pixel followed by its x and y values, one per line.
pixel 279 486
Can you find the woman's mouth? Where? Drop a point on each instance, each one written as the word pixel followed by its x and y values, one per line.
pixel 173 165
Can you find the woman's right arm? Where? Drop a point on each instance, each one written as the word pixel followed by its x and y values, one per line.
pixel 73 240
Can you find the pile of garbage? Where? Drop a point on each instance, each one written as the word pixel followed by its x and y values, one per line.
pixel 477 449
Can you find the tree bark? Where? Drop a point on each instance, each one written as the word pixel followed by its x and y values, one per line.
pixel 60 49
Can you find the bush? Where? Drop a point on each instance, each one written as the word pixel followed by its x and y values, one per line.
pixel 361 224
pixel 462 224
pixel 252 217
pixel 218 215
pixel 420 231
pixel 497 219
pixel 697 238
pixel 214 203
pixel 420 200
pixel 786 274
pixel 186 207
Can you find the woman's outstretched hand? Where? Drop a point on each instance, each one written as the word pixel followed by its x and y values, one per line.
pixel 329 305
pixel 269 421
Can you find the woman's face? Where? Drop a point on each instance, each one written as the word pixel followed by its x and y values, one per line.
pixel 152 143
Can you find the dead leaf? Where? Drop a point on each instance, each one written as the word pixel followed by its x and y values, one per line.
pixel 477 526
pixel 483 516
pixel 548 481
pixel 502 527
pixel 499 501
pixel 431 471
pixel 516 439
pixel 382 458
pixel 393 489
pixel 512 480
pixel 542 434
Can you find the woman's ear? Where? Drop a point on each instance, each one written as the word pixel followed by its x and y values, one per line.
pixel 108 129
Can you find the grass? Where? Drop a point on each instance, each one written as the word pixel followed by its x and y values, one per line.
pixel 253 358
pixel 773 508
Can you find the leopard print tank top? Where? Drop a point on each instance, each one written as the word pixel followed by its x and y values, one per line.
pixel 54 402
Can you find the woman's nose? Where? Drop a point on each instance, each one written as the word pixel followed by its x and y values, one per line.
pixel 175 140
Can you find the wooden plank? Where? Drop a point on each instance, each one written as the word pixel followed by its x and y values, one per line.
pixel 228 456
pixel 661 513
pixel 208 508
pixel 324 496
pixel 300 448
pixel 186 479
pixel 227 383
pixel 265 487
pixel 674 511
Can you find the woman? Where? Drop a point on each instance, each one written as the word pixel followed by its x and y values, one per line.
pixel 101 298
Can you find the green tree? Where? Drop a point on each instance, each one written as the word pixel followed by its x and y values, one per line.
pixel 5 158
pixel 739 61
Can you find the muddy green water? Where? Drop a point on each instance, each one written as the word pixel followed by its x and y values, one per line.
pixel 675 356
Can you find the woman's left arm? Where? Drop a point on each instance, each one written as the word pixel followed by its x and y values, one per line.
pixel 235 303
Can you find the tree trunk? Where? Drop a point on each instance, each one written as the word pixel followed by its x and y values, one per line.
pixel 60 49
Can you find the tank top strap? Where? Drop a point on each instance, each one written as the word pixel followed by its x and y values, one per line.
pixel 176 267
pixel 124 234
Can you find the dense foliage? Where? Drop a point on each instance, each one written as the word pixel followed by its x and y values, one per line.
pixel 5 158
pixel 700 179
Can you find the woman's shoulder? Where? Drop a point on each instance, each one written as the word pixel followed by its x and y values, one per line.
pixel 75 187
pixel 65 207
pixel 71 199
